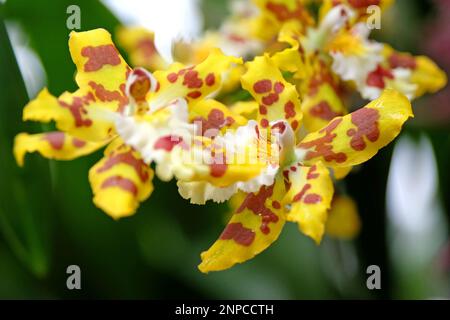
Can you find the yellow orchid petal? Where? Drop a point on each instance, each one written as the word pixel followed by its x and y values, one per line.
pixel 213 117
pixel 357 137
pixel 340 173
pixel 101 76
pixel 192 83
pixel 277 98
pixel 321 101
pixel 428 77
pixel 139 44
pixel 343 219
pixel 247 109
pixel 204 161
pixel 245 158
pixel 155 135
pixel 120 181
pixel 284 10
pixel 310 194
pixel 74 113
pixel 263 27
pixel 318 110
pixel 99 66
pixel 232 81
pixel 255 225
pixel 289 59
pixel 53 145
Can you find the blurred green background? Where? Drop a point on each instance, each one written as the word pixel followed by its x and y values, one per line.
pixel 48 220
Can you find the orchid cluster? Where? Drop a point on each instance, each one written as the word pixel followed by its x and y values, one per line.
pixel 275 152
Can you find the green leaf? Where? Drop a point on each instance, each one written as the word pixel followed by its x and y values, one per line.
pixel 23 213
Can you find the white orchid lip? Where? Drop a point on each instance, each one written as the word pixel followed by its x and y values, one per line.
pixel 154 139
pixel 282 142
pixel 356 67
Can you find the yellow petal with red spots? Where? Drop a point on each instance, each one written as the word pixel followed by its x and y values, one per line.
pixel 101 76
pixel 77 114
pixel 100 66
pixel 428 77
pixel 212 117
pixel 204 161
pixel 343 218
pixel 248 155
pixel 247 109
pixel 53 145
pixel 357 137
pixel 140 46
pixel 120 181
pixel 255 225
pixel 281 11
pixel 277 98
pixel 192 83
pixel 310 193
pixel 321 102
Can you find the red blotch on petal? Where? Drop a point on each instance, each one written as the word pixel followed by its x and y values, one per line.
pixel 129 159
pixel 191 80
pixel 376 77
pixel 289 109
pixel 397 60
pixel 323 111
pixel 299 196
pixel 194 94
pixel 312 174
pixel 217 170
pixel 122 183
pixel 238 233
pixel 366 121
pixel 263 86
pixel 262 109
pixel 100 56
pixel 255 202
pixel 279 126
pixel 56 139
pixel 270 99
pixel 210 79
pixel 77 143
pixel 312 198
pixel 77 109
pixel 276 204
pixel 167 143
pixel 278 87
pixel 105 95
pixel 172 77
pixel 322 146
pixel 362 4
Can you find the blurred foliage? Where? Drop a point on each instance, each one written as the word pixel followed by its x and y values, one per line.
pixel 48 220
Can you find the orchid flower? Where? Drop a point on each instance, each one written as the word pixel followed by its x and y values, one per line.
pixel 109 94
pixel 288 179
pixel 273 155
